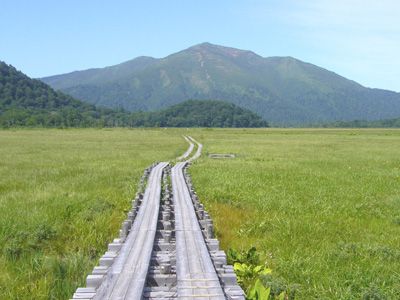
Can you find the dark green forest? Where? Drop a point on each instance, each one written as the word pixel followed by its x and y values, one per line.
pixel 196 113
pixel 387 123
pixel 29 102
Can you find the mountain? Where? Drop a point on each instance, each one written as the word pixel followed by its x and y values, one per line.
pixel 283 90
pixel 206 113
pixel 100 76
pixel 29 102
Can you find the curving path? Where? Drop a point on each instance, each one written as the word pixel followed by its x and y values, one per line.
pixel 198 152
pixel 189 150
pixel 165 249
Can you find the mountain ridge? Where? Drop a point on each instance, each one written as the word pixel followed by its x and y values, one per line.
pixel 30 102
pixel 283 90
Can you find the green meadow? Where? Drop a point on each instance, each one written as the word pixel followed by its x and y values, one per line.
pixel 63 196
pixel 322 206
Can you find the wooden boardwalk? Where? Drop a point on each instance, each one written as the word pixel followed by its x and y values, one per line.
pixel 166 248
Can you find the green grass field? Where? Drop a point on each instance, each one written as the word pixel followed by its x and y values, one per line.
pixel 63 196
pixel 322 206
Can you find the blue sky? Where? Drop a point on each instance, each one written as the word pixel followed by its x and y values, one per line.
pixel 357 39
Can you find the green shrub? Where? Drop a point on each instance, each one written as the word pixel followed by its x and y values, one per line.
pixel 255 277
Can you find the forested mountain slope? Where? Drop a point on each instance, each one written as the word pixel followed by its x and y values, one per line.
pixel 29 102
pixel 283 90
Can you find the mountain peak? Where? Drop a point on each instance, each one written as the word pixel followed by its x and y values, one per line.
pixel 283 90
pixel 207 47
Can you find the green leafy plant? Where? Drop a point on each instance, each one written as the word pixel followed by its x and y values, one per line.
pixel 248 273
pixel 252 275
pixel 250 256
pixel 258 291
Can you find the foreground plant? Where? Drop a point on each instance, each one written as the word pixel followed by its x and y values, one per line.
pixel 251 274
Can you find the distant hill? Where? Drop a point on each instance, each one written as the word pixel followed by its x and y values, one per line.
pixel 199 114
pixel 29 102
pixel 283 90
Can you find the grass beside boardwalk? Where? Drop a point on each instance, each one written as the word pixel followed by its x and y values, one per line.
pixel 323 206
pixel 63 194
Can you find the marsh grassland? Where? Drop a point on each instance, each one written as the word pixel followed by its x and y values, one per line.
pixel 63 195
pixel 321 206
